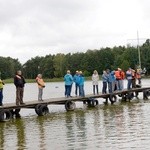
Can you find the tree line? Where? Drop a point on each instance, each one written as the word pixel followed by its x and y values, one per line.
pixel 52 66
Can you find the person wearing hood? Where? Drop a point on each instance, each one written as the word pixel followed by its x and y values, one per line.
pixel 68 83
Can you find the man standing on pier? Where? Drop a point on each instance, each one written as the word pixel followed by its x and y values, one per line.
pixel 19 82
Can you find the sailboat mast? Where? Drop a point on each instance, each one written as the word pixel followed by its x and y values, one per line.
pixel 138 47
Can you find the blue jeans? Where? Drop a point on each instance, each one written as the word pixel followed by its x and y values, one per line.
pixel 76 89
pixel 1 96
pixel 67 90
pixel 104 88
pixel 129 84
pixel 81 90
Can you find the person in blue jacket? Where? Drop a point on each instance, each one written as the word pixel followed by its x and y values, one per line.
pixel 111 80
pixel 68 83
pixel 75 78
pixel 80 81
pixel 104 80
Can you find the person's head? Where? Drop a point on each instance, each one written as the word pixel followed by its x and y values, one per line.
pixel 104 72
pixel 19 72
pixel 77 72
pixel 95 72
pixel 119 69
pixel 108 71
pixel 130 69
pixel 39 75
pixel 80 72
pixel 68 71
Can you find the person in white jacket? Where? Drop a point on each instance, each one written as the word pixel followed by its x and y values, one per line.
pixel 95 79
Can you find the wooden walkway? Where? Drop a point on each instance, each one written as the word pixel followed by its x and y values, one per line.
pixel 10 109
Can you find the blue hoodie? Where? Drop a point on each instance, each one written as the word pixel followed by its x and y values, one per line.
pixel 81 80
pixel 68 79
pixel 111 76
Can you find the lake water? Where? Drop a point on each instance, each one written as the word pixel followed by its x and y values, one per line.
pixel 120 126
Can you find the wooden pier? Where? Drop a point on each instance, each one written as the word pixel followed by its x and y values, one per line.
pixel 9 110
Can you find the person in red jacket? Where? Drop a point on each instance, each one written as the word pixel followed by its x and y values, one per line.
pixel 122 79
pixel 118 78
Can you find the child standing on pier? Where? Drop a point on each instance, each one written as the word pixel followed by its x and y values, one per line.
pixel 41 85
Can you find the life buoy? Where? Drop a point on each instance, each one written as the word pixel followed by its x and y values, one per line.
pixel 70 105
pixel 5 115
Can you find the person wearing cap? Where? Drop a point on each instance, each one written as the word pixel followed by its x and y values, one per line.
pixel 68 83
pixel 1 92
pixel 41 85
pixel 75 79
pixel 129 78
pixel 95 79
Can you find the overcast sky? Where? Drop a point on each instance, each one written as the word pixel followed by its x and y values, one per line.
pixel 30 28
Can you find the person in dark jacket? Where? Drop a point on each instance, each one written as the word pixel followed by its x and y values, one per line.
pixel 19 82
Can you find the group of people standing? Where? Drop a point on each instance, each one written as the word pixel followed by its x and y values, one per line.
pixel 111 80
pixel 19 82
pixel 78 79
pixel 114 80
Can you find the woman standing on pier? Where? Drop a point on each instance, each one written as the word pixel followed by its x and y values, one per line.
pixel 95 79
pixel 41 85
